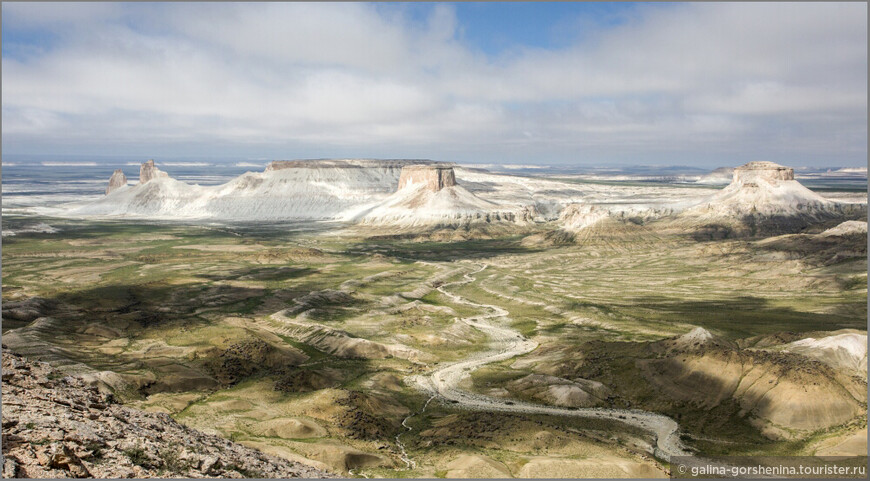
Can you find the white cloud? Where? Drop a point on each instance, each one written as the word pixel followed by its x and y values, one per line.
pixel 687 81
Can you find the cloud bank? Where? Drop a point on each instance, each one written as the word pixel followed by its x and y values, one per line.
pixel 689 83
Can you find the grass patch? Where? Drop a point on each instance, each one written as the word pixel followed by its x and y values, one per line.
pixel 741 317
pixel 138 457
pixel 493 377
pixel 526 327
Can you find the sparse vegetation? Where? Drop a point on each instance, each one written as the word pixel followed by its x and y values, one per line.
pixel 185 314
pixel 138 456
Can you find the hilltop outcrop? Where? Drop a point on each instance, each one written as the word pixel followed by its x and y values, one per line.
pixel 762 189
pixel 429 195
pixel 116 181
pixel 431 177
pixel 751 172
pixel 763 198
pixel 148 171
pixel 60 427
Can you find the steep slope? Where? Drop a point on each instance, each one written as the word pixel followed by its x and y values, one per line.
pixel 845 242
pixel 158 197
pixel 148 171
pixel 117 181
pixel 286 190
pixel 429 195
pixel 576 217
pixel 783 394
pixel 846 349
pixel 762 189
pixel 58 427
pixel 763 199
pixel 713 386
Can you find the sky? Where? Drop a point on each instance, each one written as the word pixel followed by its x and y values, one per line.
pixel 698 84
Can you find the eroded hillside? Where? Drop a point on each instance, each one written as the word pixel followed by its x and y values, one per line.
pixel 58 426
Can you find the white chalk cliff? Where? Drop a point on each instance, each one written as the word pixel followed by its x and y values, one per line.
pixel 575 217
pixel 429 194
pixel 418 192
pixel 291 190
pixel 761 189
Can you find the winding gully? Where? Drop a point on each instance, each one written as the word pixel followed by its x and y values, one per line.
pixel 507 343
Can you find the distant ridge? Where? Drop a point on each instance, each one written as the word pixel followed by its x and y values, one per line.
pixel 345 163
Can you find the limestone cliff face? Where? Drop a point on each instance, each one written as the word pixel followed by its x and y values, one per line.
pixel 434 177
pixel 764 199
pixel 118 179
pixel 428 195
pixel 149 171
pixel 768 171
pixel 576 217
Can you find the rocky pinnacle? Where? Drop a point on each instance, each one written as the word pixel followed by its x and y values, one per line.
pixel 149 171
pixel 118 179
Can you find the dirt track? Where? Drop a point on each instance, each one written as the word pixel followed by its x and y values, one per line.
pixel 507 343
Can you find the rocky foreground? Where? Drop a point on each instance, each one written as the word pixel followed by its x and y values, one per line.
pixel 56 426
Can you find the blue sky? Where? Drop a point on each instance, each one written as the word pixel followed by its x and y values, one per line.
pixel 495 28
pixel 552 83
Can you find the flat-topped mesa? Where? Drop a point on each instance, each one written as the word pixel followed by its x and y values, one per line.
pixel 435 177
pixel 116 181
pixel 761 170
pixel 342 163
pixel 149 171
pixel 764 199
